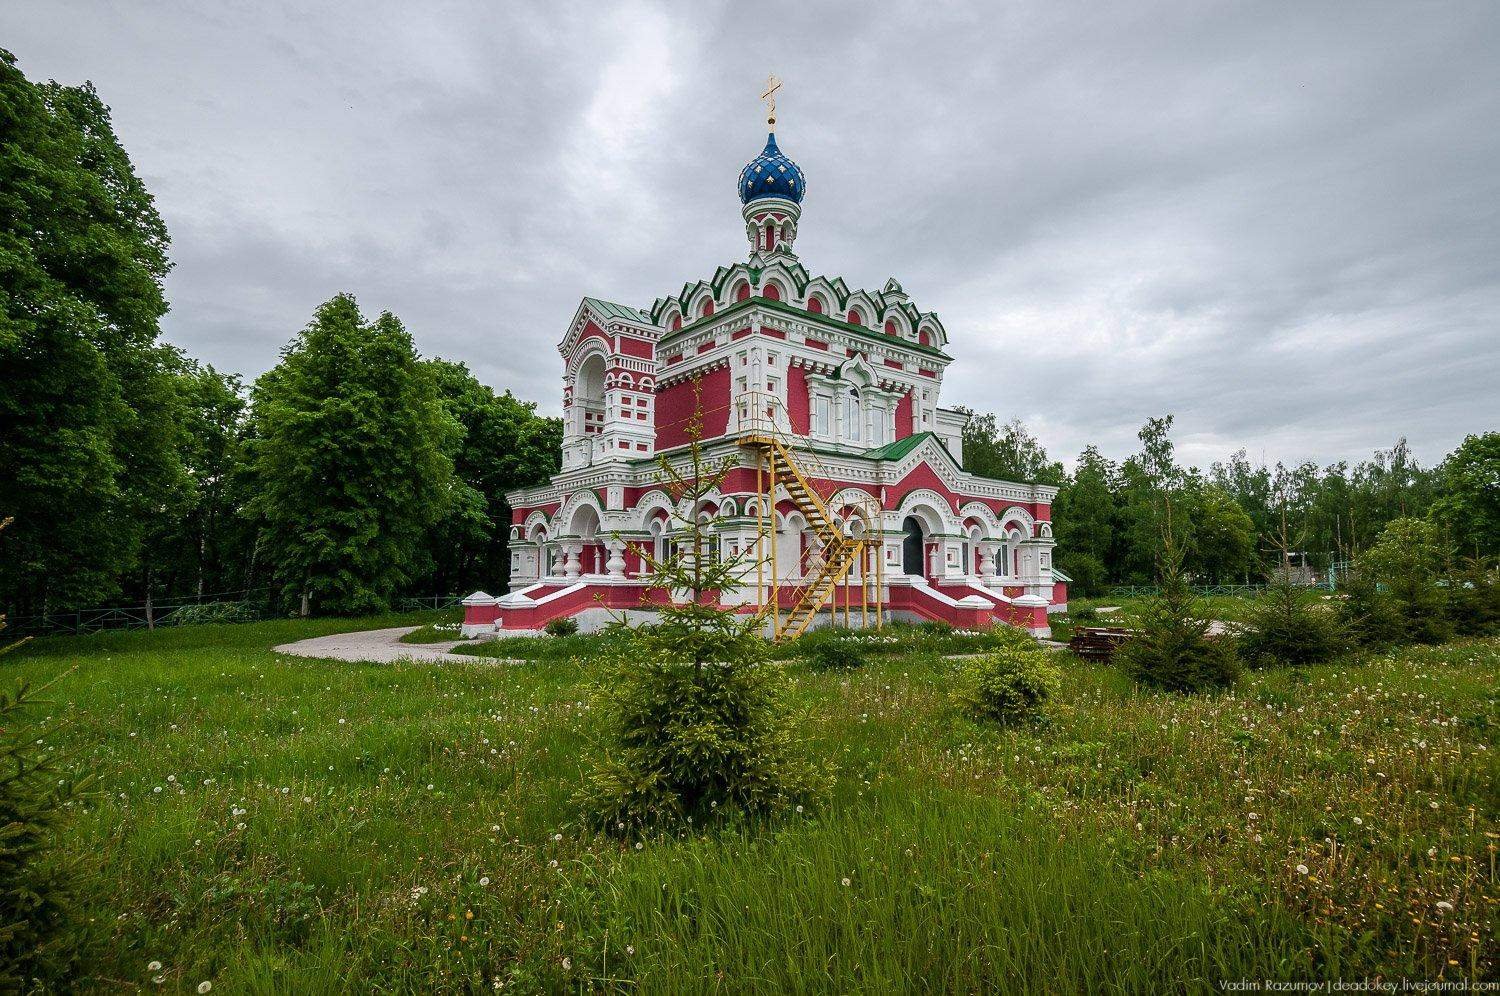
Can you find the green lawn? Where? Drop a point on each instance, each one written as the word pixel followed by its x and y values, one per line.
pixel 279 824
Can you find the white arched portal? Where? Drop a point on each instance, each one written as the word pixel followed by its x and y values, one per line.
pixel 789 532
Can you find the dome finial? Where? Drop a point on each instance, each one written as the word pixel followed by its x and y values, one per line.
pixel 772 85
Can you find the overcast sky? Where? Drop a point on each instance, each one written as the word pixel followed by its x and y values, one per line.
pixel 1279 222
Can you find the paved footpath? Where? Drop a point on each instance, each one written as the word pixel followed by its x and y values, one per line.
pixel 377 646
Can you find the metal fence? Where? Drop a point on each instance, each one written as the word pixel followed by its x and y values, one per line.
pixel 223 607
pixel 1130 590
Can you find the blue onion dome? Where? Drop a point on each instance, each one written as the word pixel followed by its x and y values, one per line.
pixel 771 174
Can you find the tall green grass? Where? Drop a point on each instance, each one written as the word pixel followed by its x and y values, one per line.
pixel 275 824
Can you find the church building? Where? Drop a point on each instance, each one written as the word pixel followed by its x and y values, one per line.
pixel 847 483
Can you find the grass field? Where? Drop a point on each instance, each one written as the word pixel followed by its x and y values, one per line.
pixel 284 825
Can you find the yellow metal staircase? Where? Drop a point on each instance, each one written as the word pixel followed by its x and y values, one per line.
pixel 840 552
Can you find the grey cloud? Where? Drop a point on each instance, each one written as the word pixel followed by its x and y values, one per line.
pixel 1279 221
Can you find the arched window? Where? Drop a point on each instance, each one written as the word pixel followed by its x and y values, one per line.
pixel 890 326
pixel 706 308
pixel 815 305
pixel 659 551
pixel 741 291
pixel 855 318
pixel 772 292
pixel 854 416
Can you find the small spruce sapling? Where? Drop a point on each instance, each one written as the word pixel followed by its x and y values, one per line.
pixel 38 946
pixel 1172 649
pixel 1286 625
pixel 697 723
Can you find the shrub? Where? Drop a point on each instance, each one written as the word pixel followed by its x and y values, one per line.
pixel 1008 686
pixel 213 612
pixel 689 740
pixel 1286 626
pixel 561 626
pixel 1474 599
pixel 1368 614
pixel 1171 649
pixel 841 654
pixel 1405 563
pixel 1086 614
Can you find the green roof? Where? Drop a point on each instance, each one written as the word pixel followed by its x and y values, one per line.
pixel 901 447
pixel 612 310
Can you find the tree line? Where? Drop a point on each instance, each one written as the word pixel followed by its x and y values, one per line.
pixel 1108 513
pixel 356 471
pixel 353 471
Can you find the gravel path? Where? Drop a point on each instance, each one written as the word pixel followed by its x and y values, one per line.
pixel 377 646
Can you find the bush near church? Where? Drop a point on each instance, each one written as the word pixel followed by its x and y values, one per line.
pixel 1008 686
pixel 562 626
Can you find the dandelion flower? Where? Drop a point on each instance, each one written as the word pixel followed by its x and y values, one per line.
pixel 155 966
pixel 846 881
pixel 1444 905
pixel 1301 869
pixel 204 986
pixel 484 880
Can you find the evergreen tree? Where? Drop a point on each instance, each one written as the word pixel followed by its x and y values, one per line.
pixel 1171 648
pixel 88 418
pixel 37 947
pixel 1286 625
pixel 350 457
pixel 697 723
pixel 1408 561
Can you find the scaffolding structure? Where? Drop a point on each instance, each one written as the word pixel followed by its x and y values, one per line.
pixel 851 565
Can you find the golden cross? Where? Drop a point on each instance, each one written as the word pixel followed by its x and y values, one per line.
pixel 772 85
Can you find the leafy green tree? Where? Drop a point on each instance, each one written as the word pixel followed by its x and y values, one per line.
pixel 1084 516
pixel 1008 452
pixel 1468 495
pixel 88 418
pixel 1148 480
pixel 1223 534
pixel 504 445
pixel 196 547
pixel 350 457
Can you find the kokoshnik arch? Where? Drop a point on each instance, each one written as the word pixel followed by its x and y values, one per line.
pixel 850 380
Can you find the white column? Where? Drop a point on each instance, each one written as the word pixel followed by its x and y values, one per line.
pixel 571 564
pixel 615 566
